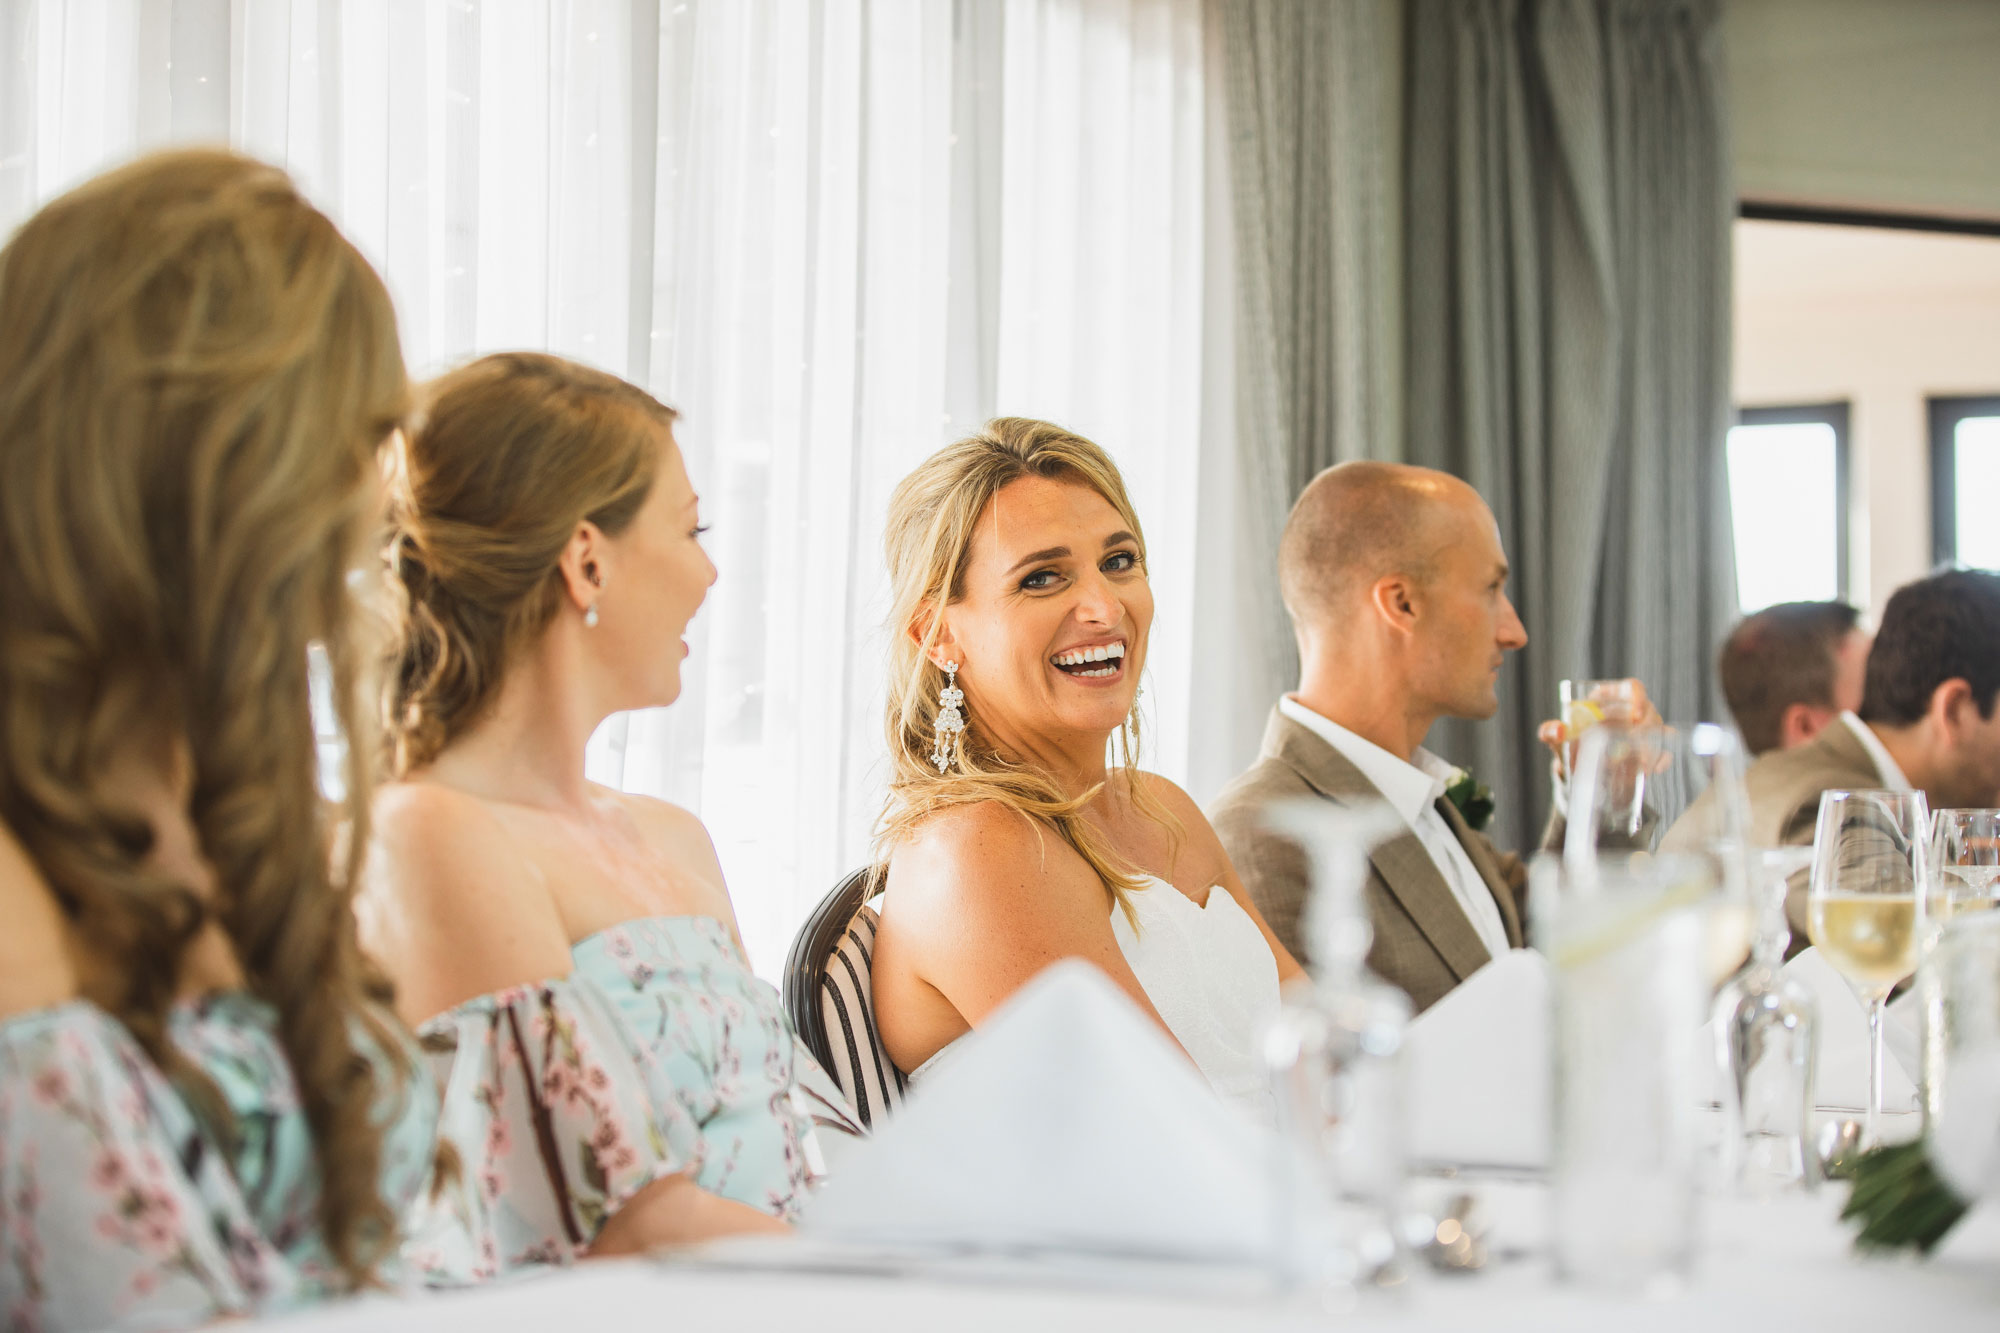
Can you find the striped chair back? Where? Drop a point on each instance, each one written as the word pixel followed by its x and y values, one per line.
pixel 831 1003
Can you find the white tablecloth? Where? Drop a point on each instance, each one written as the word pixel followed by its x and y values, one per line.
pixel 1766 1268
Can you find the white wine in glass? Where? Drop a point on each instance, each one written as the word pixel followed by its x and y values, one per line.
pixel 1871 939
pixel 1868 908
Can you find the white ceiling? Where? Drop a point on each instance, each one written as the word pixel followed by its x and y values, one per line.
pixel 1792 261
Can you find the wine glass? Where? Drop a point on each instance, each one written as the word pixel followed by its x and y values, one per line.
pixel 1633 784
pixel 1866 907
pixel 1965 861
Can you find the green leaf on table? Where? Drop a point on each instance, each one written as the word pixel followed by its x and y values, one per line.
pixel 1900 1201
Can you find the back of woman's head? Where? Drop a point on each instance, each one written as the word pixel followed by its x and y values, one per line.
pixel 506 458
pixel 196 372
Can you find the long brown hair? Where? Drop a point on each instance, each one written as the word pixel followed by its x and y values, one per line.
pixel 505 457
pixel 196 372
pixel 932 518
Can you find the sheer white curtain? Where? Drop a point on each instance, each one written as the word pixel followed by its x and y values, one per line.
pixel 834 233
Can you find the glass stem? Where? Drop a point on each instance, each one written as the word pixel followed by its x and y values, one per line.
pixel 1872 1136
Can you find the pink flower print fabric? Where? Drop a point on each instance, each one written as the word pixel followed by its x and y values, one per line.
pixel 118 1209
pixel 660 1054
pixel 115 1211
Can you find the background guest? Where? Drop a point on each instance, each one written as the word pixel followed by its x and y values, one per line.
pixel 548 547
pixel 1927 723
pixel 1790 669
pixel 1020 627
pixel 203 1111
pixel 1395 581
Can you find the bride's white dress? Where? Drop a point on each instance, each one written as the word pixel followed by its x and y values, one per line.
pixel 1209 972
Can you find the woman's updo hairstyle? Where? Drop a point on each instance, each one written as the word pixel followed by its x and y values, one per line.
pixel 505 457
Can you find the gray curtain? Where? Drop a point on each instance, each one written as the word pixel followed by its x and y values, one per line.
pixel 1313 105
pixel 1569 198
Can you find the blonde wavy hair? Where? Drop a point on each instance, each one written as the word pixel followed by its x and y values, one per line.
pixel 933 516
pixel 504 458
pixel 196 372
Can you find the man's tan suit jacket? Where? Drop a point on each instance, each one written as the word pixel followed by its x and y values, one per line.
pixel 1424 942
pixel 1784 787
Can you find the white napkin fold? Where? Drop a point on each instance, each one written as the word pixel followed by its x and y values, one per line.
pixel 1478 1068
pixel 1841 1068
pixel 1066 1122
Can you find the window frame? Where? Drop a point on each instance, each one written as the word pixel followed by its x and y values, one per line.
pixel 1945 412
pixel 1833 414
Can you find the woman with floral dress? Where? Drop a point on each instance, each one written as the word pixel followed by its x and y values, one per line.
pixel 614 1075
pixel 205 1111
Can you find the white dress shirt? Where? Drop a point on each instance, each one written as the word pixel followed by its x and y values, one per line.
pixel 1412 790
pixel 1885 763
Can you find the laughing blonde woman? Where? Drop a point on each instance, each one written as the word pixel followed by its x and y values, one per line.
pixel 1012 837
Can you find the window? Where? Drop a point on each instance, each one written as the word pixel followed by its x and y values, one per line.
pixel 1965 481
pixel 1788 499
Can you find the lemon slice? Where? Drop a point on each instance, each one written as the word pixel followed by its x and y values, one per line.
pixel 1616 929
pixel 1583 715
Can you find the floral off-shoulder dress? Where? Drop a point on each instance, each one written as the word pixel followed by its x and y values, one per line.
pixel 660 1054
pixel 118 1207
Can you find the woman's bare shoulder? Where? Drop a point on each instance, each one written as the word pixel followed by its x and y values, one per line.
pixel 1175 798
pixel 986 851
pixel 36 967
pixel 1198 843
pixel 674 830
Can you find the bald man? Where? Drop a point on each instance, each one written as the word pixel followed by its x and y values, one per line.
pixel 1396 584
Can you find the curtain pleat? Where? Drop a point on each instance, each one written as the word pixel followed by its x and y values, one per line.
pixel 1570 200
pixel 1316 202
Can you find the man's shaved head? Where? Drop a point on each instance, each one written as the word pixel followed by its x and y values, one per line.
pixel 1359 522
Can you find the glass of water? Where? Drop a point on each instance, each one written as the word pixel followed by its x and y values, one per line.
pixel 1965 862
pixel 1626 942
pixel 1963 973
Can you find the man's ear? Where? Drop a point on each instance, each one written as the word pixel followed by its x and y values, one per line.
pixel 945 647
pixel 583 565
pixel 1394 597
pixel 1951 702
pixel 1801 722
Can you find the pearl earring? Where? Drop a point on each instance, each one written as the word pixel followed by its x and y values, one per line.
pixel 950 722
pixel 590 616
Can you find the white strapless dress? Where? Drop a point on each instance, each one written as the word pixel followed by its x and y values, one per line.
pixel 1209 972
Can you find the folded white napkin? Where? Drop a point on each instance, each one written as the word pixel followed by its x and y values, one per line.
pixel 1478 1068
pixel 1067 1122
pixel 1841 1068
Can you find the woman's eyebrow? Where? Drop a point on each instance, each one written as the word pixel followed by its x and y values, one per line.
pixel 1052 553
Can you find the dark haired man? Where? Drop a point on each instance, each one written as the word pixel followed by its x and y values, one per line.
pixel 1791 669
pixel 1927 722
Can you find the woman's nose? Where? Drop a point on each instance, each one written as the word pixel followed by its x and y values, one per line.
pixel 1097 602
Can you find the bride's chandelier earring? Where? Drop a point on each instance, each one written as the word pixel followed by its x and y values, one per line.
pixel 950 721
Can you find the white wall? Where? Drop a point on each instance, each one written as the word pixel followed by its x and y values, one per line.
pixel 1882 319
pixel 1888 104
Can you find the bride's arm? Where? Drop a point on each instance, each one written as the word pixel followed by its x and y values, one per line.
pixel 981 900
